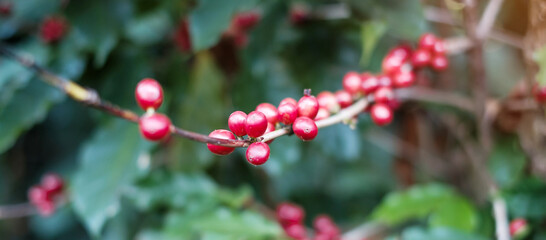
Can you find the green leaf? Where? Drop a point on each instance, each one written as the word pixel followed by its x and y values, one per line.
pixel 371 33
pixel 445 207
pixel 149 29
pixel 527 198
pixel 109 163
pixel 211 18
pixel 416 233
pixel 540 59
pixel 27 107
pixel 507 161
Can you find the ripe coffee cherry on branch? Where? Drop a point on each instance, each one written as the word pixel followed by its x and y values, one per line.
pixel 369 85
pixel 383 95
pixel 305 128
pixel 288 113
pixel 222 134
pixel 46 208
pixel 384 81
pixel 322 114
pixel 381 114
pixel 352 82
pixel 328 101
pixel 255 124
pixel 155 126
pixel 344 99
pixel 540 93
pixel 37 194
pixel 257 153
pixel 296 231
pixel 439 63
pixel 236 123
pixel 324 225
pixel 421 58
pixel 289 100
pixel 395 59
pixel 308 106
pixel 439 48
pixel 149 94
pixel 519 228
pixel 269 111
pixel 427 41
pixel 403 79
pixel 288 214
pixel 53 29
pixel 53 184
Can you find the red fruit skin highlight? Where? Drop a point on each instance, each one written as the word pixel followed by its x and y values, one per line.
pixel 222 134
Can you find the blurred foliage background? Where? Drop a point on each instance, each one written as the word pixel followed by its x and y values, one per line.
pixel 408 176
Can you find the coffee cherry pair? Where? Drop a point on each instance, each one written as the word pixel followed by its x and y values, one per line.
pixel 44 195
pixel 256 154
pixel 430 52
pixel 291 216
pixel 149 96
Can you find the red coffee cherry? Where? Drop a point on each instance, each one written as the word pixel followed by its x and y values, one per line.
pixel 5 8
pixel 46 208
pixel 155 127
pixel 288 113
pixel 540 93
pixel 421 58
pixel 381 114
pixel 255 124
pixel 53 184
pixel 402 51
pixel 53 29
pixel 257 153
pixel 395 59
pixel 182 37
pixel 288 214
pixel 269 111
pixel 518 228
pixel 149 94
pixel 344 99
pixel 440 63
pixel 439 48
pixel 403 79
pixel 236 123
pixel 222 134
pixel 289 100
pixel 246 20
pixel 37 194
pixel 322 114
pixel 352 82
pixel 383 95
pixel 328 101
pixel 305 128
pixel 427 41
pixel 369 85
pixel 308 107
pixel 384 81
pixel 296 231
pixel 325 226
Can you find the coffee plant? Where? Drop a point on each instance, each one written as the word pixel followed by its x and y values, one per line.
pixel 249 119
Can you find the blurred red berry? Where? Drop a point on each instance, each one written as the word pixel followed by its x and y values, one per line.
pixel 383 95
pixel 155 127
pixel 540 93
pixel 369 85
pixel 439 48
pixel 395 58
pixel 440 63
pixel 222 134
pixel 298 15
pixel 53 29
pixel 255 124
pixel 149 94
pixel 421 58
pixel 325 226
pixel 308 107
pixel 5 8
pixel 344 98
pixel 288 214
pixel 403 79
pixel 328 101
pixel 427 41
pixel 244 21
pixel 352 82
pixel 305 128
pixel 53 184
pixel 288 113
pixel 381 114
pixel 46 208
pixel 322 114
pixel 37 194
pixel 236 123
pixel 241 39
pixel 182 37
pixel 269 111
pixel 384 81
pixel 257 153
pixel 519 228
pixel 296 231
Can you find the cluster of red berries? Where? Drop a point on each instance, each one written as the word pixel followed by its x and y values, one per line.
pixel 240 25
pixel 291 216
pixel 266 118
pixel 149 96
pixel 5 8
pixel 53 29
pixel 45 195
pixel 519 228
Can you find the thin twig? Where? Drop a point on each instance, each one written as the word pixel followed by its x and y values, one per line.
pixel 501 218
pixel 488 18
pixel 17 210
pixel 437 97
